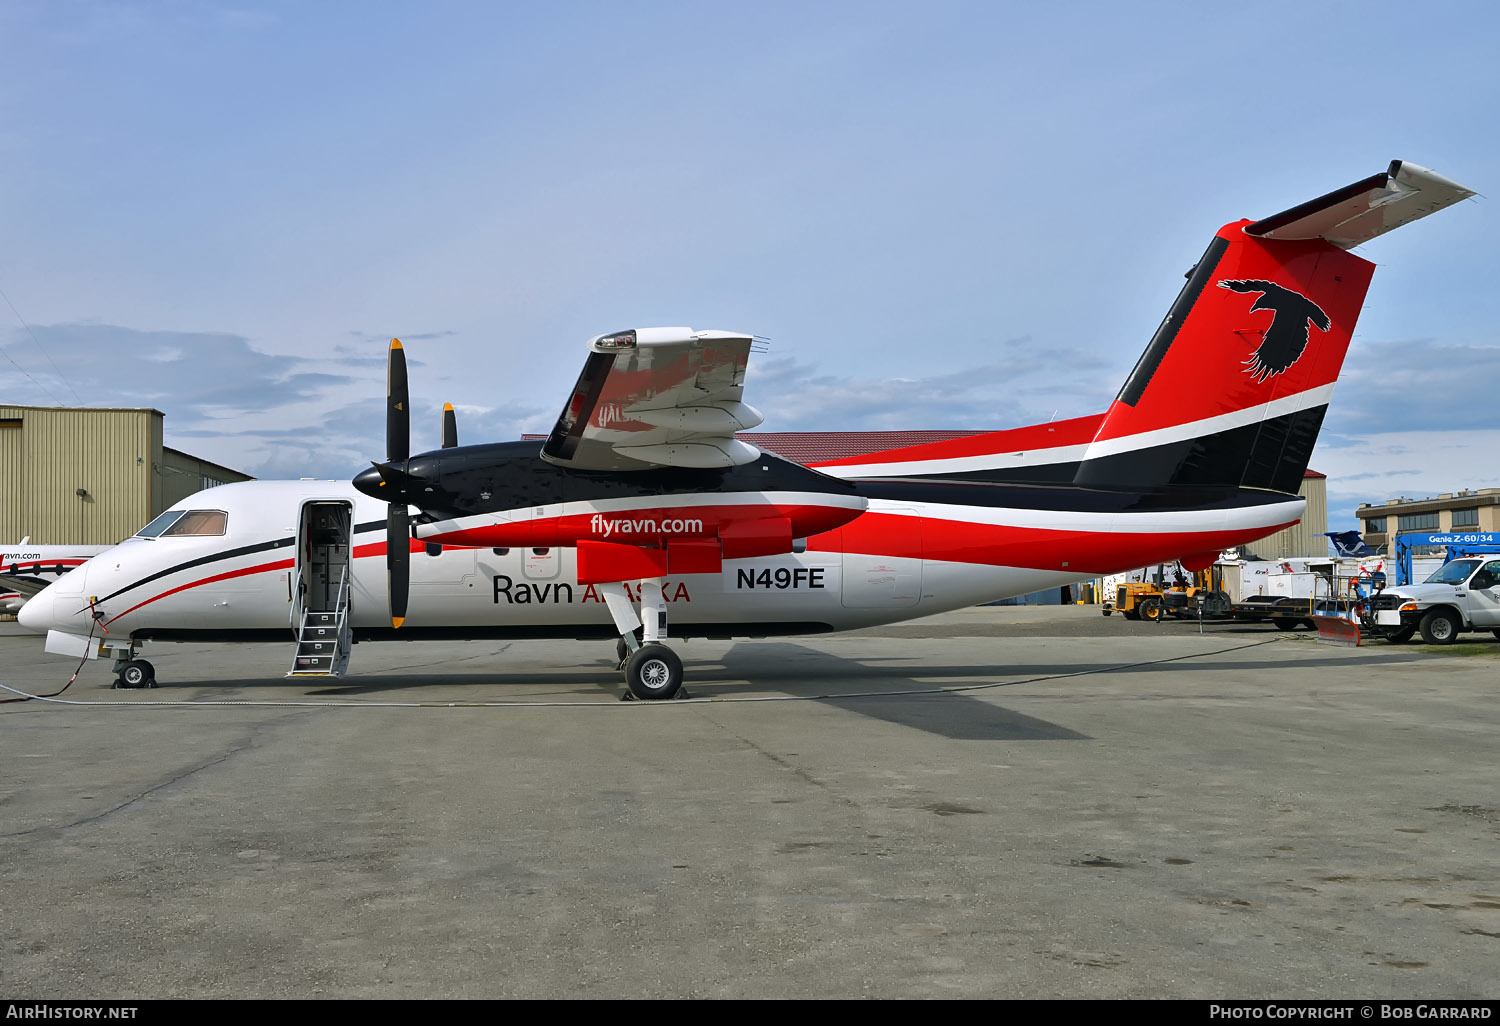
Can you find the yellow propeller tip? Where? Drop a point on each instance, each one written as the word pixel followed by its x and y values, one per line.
pixel 397 621
pixel 395 343
pixel 447 407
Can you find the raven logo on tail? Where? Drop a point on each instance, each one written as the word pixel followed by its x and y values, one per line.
pixel 1286 338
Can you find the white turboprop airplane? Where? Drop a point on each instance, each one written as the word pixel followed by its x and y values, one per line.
pixel 25 569
pixel 642 508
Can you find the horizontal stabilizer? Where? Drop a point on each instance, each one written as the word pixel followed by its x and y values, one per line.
pixel 1357 213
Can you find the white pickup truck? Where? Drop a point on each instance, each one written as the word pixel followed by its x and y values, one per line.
pixel 1463 595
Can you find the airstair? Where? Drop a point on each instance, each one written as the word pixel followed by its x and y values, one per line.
pixel 324 638
pixel 320 597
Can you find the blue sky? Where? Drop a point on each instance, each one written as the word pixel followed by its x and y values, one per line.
pixel 942 215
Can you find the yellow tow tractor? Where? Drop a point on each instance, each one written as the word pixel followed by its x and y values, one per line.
pixel 1138 600
pixel 1201 598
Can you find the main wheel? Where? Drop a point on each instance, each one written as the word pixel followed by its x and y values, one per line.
pixel 1440 627
pixel 1151 611
pixel 1402 636
pixel 138 674
pixel 654 672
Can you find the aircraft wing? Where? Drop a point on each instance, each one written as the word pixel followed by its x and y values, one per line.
pixel 1372 206
pixel 657 397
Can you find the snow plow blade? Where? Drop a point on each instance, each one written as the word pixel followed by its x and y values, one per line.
pixel 1335 630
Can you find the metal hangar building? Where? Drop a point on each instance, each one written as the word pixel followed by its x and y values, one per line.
pixel 80 476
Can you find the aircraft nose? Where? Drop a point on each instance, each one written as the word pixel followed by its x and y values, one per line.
pixel 36 614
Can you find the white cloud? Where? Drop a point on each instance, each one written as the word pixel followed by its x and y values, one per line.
pixel 1413 464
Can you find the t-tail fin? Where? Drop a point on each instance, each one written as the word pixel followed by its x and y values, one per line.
pixel 1232 389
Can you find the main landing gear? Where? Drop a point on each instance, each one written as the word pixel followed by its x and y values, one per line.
pixel 131 672
pixel 652 670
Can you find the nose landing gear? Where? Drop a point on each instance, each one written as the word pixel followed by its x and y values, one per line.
pixel 135 673
pixel 130 672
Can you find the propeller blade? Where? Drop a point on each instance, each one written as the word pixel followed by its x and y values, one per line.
pixel 450 426
pixel 398 559
pixel 397 406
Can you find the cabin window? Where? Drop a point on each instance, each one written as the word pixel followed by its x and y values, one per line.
pixel 501 552
pixel 198 522
pixel 434 549
pixel 540 552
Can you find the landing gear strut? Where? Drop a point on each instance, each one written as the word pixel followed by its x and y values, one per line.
pixel 652 670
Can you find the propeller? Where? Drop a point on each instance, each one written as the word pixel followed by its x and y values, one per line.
pixel 397 451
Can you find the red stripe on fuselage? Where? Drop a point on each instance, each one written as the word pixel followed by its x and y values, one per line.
pixel 647 526
pixel 1030 548
pixel 360 551
pixel 281 564
pixel 378 548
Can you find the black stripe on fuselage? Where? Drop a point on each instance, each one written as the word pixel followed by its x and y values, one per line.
pixel 509 475
pixel 243 550
pixel 1271 453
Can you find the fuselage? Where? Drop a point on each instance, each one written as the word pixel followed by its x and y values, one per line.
pixel 911 548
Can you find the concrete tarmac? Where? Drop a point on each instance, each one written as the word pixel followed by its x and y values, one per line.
pixel 1002 802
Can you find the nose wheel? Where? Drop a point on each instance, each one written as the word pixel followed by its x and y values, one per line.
pixel 136 673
